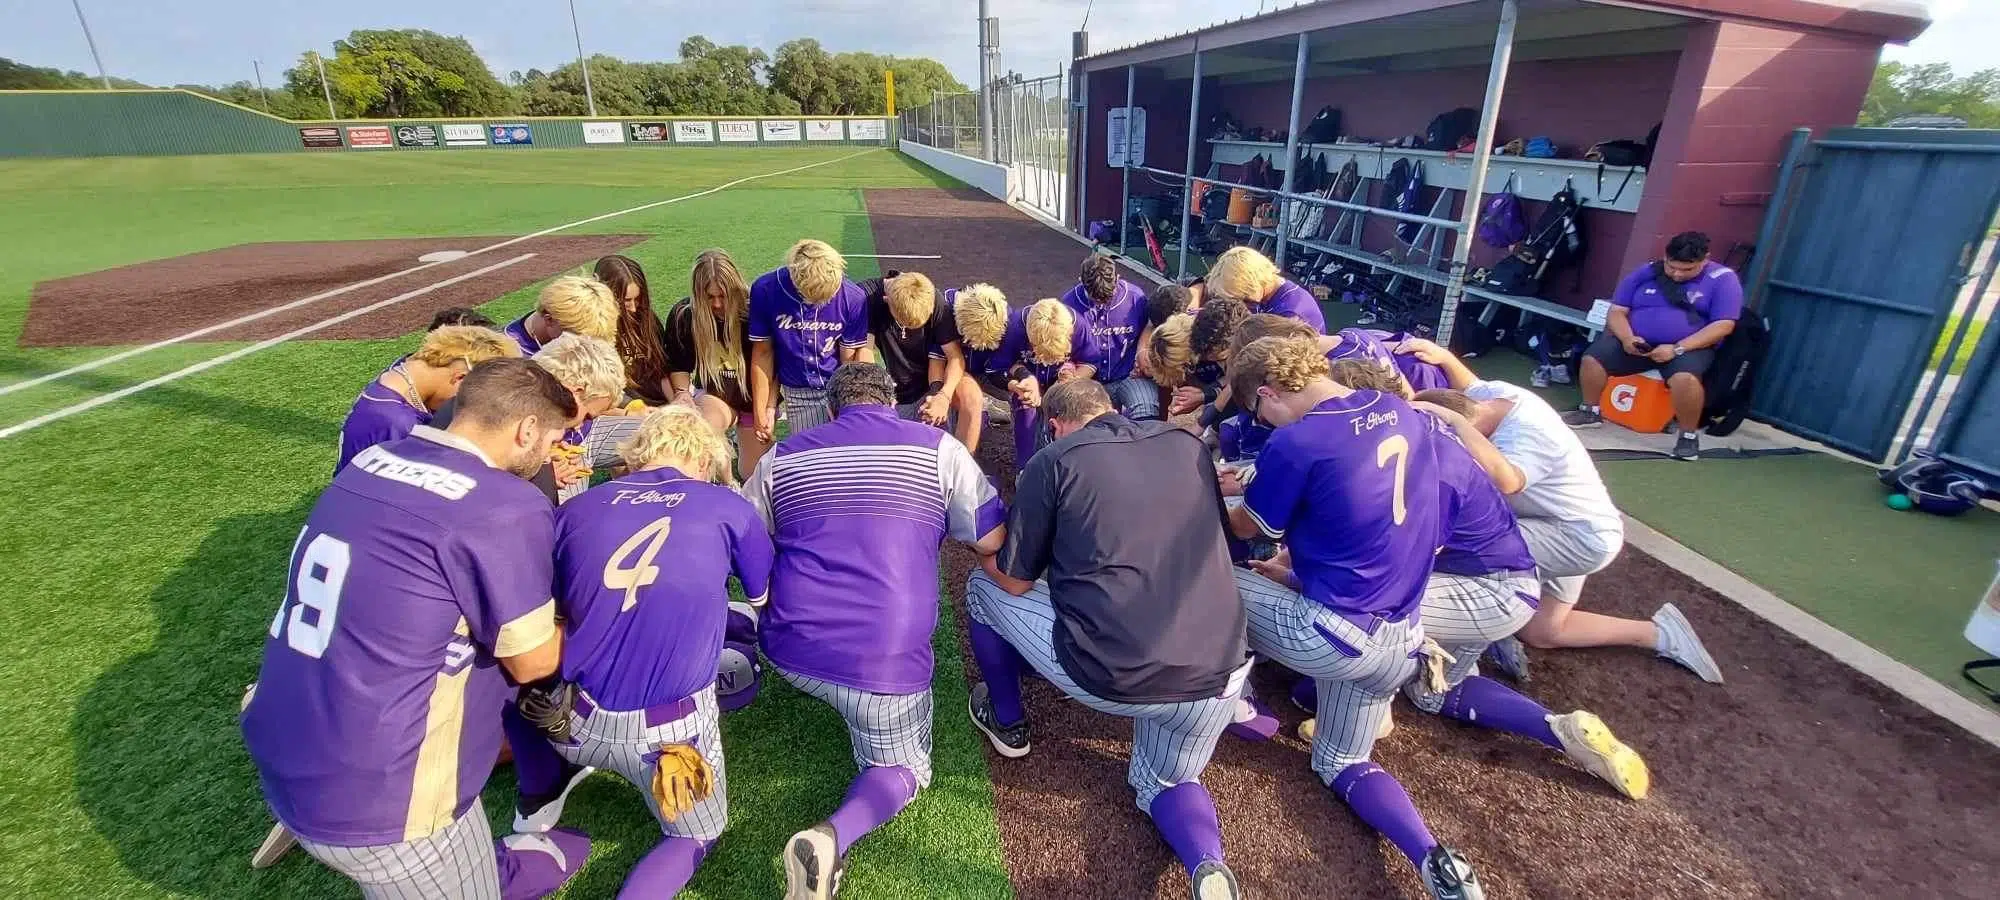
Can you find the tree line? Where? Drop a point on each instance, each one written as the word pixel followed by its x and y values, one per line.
pixel 422 74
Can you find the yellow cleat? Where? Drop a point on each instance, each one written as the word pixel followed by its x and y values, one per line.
pixel 1586 740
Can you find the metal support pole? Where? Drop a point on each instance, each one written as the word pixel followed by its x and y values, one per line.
pixel 1079 170
pixel 80 20
pixel 589 97
pixel 1943 371
pixel 1767 232
pixel 985 84
pixel 262 95
pixel 1475 188
pixel 1187 170
pixel 1291 151
pixel 326 90
pixel 1125 200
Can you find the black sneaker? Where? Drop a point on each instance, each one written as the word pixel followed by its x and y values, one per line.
pixel 1688 447
pixel 1583 417
pixel 1447 876
pixel 1010 741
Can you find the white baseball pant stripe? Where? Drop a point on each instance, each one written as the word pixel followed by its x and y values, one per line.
pixel 1171 742
pixel 457 862
pixel 1567 551
pixel 1466 613
pixel 885 729
pixel 1357 673
pixel 805 407
pixel 621 742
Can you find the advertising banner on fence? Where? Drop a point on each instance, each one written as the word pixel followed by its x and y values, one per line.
pixel 416 136
pixel 603 133
pixel 319 138
pixel 512 134
pixel 824 130
pixel 868 130
pixel 648 132
pixel 465 135
pixel 738 131
pixel 781 130
pixel 370 136
pixel 697 132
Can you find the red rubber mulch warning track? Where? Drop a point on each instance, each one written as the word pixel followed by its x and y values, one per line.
pixel 1797 778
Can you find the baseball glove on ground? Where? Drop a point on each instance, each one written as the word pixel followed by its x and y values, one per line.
pixel 681 779
pixel 547 704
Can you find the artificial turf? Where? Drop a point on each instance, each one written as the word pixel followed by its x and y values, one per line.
pixel 145 540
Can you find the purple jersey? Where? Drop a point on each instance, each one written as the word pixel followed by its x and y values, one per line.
pixel 642 584
pixel 858 508
pixel 377 713
pixel 1241 437
pixel 1294 301
pixel 803 336
pixel 1114 328
pixel 1479 534
pixel 1352 488
pixel 1361 344
pixel 518 330
pixel 381 414
pixel 1014 350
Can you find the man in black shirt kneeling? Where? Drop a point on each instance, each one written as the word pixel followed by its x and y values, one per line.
pixel 1120 593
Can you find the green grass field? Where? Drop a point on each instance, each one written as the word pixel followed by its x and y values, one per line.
pixel 145 540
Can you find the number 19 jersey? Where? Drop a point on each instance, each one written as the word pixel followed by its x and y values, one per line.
pixel 642 583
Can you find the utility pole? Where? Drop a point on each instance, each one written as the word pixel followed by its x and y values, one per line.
pixel 589 98
pixel 80 20
pixel 262 94
pixel 989 34
pixel 320 61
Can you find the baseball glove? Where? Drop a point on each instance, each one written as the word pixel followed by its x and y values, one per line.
pixel 1436 661
pixel 547 704
pixel 681 779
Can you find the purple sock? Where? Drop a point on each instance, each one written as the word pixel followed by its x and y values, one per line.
pixel 1025 421
pixel 665 869
pixel 1490 704
pixel 1000 667
pixel 875 797
pixel 537 767
pixel 1379 799
pixel 1185 815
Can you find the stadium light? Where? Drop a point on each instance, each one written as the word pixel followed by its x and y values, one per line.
pixel 588 97
pixel 80 20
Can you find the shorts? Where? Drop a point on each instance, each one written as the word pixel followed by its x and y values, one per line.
pixel 1566 552
pixel 1611 354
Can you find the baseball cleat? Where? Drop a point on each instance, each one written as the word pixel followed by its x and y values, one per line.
pixel 1010 741
pixel 277 843
pixel 1510 657
pixel 1447 876
pixel 1307 729
pixel 1679 643
pixel 536 815
pixel 1587 741
pixel 1254 721
pixel 812 865
pixel 1212 880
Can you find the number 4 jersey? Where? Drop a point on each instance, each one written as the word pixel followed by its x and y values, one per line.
pixel 377 713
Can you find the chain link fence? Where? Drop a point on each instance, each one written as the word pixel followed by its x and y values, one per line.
pixel 1030 134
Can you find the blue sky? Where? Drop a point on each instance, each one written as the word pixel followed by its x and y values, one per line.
pixel 213 41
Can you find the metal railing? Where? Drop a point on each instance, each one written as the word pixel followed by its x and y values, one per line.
pixel 1030 134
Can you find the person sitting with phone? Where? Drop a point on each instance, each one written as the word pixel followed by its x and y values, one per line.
pixel 1669 315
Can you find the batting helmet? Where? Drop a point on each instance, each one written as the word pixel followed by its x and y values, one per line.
pixel 739 672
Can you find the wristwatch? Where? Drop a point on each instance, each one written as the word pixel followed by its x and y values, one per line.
pixel 1679 351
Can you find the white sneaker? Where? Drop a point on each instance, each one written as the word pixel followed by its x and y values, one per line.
pixel 1679 643
pixel 1540 378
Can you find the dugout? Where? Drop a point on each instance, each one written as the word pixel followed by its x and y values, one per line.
pixel 1726 82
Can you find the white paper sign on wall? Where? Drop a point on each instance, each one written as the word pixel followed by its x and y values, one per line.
pixel 1125 137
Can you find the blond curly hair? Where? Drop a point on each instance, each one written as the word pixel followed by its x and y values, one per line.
pixel 1173 356
pixel 676 433
pixel 1363 375
pixel 1287 364
pixel 1051 327
pixel 981 314
pixel 580 305
pixel 1243 274
pixel 469 344
pixel 911 298
pixel 817 270
pixel 589 365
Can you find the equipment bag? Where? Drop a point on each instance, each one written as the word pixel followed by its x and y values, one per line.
pixel 1502 225
pixel 1539 148
pixel 1732 378
pixel 1618 153
pixel 1554 243
pixel 1449 131
pixel 1324 127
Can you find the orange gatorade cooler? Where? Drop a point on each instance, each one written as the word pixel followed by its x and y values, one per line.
pixel 1242 205
pixel 1639 402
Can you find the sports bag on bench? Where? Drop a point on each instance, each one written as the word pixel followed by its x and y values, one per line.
pixel 1555 242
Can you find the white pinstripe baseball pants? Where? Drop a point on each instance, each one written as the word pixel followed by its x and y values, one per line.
pixel 1357 672
pixel 622 743
pixel 885 729
pixel 1171 742
pixel 1466 613
pixel 600 449
pixel 458 862
pixel 805 407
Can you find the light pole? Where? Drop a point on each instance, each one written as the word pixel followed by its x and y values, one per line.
pixel 320 61
pixel 588 97
pixel 80 20
pixel 262 95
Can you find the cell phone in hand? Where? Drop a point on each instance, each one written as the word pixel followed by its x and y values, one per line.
pixel 1645 346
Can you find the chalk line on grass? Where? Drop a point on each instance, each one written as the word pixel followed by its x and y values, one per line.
pixel 241 352
pixel 324 295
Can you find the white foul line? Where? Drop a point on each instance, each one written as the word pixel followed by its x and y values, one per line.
pixel 239 353
pixel 891 256
pixel 302 301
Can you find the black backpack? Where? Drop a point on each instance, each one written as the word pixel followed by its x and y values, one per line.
pixel 1324 127
pixel 1554 243
pixel 1732 377
pixel 1450 130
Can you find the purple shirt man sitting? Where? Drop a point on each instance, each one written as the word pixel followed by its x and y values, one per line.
pixel 858 509
pixel 1669 315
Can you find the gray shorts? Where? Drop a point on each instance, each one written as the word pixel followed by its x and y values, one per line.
pixel 629 742
pixel 458 862
pixel 1565 552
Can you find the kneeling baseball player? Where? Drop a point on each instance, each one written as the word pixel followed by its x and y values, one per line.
pixel 1050 345
pixel 1137 616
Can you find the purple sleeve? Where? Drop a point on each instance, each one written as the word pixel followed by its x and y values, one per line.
pixel 1725 302
pixel 1273 496
pixel 761 326
pixel 854 325
pixel 1629 288
pixel 1031 523
pixel 1007 352
pixel 501 567
pixel 753 554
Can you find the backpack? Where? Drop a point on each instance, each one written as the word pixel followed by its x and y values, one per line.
pixel 1730 380
pixel 1539 148
pixel 1619 153
pixel 1554 243
pixel 1408 195
pixel 1472 339
pixel 1449 131
pixel 1502 225
pixel 1324 127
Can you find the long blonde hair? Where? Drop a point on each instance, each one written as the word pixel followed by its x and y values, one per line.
pixel 714 357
